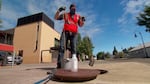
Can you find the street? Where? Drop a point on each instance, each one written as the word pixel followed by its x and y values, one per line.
pixel 122 71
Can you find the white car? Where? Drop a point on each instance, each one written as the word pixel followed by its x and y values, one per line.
pixel 9 59
pixel 17 59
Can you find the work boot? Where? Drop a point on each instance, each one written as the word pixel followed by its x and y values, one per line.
pixel 58 66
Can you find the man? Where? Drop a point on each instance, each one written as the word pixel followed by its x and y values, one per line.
pixel 70 30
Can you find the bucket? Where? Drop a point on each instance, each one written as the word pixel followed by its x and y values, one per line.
pixel 67 64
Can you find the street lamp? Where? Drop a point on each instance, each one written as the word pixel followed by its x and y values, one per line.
pixel 146 55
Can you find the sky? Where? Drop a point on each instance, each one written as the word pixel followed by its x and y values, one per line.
pixel 108 23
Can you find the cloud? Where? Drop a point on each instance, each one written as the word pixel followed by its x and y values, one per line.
pixel 12 10
pixel 90 32
pixel 131 8
pixel 130 11
pixel 33 7
pixel 48 7
pixel 134 6
pixel 122 19
pixel 9 14
pixel 90 28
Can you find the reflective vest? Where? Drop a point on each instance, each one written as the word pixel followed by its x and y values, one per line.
pixel 71 24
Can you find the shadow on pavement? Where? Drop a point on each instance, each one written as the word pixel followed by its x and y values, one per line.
pixel 102 71
pixel 46 68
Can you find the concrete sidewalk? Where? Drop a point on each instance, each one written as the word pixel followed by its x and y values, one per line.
pixel 133 71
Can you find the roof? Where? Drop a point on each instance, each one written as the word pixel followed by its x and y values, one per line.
pixel 35 18
pixel 8 31
pixel 140 46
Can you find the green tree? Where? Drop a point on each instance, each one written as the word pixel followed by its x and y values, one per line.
pixel 144 18
pixel 120 55
pixel 79 43
pixel 0 23
pixel 125 50
pixel 80 46
pixel 88 46
pixel 107 55
pixel 130 48
pixel 0 4
pixel 115 51
pixel 103 55
pixel 0 10
pixel 100 55
pixel 84 45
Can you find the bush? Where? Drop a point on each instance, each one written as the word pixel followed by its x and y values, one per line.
pixel 119 55
pixel 103 55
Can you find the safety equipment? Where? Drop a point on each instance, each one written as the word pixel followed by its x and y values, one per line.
pixel 83 18
pixel 62 8
pixel 71 23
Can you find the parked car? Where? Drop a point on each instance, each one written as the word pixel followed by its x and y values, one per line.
pixel 3 57
pixel 7 58
pixel 17 59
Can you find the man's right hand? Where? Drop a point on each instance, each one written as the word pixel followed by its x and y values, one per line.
pixel 57 16
pixel 62 9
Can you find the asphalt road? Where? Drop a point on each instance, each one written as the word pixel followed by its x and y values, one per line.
pixel 125 71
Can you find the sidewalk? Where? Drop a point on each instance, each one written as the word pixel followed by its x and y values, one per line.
pixel 135 71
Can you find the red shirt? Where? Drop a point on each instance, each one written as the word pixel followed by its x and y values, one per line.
pixel 71 24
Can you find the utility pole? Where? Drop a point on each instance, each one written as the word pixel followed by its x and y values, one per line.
pixel 145 51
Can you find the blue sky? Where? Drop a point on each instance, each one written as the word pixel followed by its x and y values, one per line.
pixel 108 23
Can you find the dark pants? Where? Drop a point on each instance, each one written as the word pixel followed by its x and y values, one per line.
pixel 64 44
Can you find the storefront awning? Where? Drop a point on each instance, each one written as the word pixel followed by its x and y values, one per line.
pixel 6 47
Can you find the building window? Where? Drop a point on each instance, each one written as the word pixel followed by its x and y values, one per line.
pixel 6 38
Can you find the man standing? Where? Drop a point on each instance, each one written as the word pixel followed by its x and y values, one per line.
pixel 70 31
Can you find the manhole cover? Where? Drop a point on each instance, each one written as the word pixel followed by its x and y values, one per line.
pixel 81 75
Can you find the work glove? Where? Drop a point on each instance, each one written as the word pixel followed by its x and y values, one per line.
pixel 83 18
pixel 62 8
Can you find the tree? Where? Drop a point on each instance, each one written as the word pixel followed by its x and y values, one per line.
pixel 130 48
pixel 107 55
pixel 84 46
pixel 88 46
pixel 79 44
pixel 103 55
pixel 144 18
pixel 115 51
pixel 100 55
pixel 0 4
pixel 0 10
pixel 120 55
pixel 125 50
